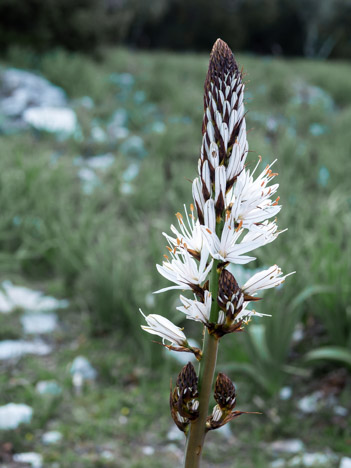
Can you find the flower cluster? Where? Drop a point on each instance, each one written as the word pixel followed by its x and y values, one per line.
pixel 232 215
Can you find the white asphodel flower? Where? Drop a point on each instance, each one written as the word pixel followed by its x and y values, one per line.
pixel 184 270
pixel 196 310
pixel 246 314
pixel 249 199
pixel 262 233
pixel 158 325
pixel 189 235
pixel 265 279
pixel 229 248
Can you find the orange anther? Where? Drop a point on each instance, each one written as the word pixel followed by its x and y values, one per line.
pixel 168 248
pixel 165 256
pixel 191 207
pixel 208 231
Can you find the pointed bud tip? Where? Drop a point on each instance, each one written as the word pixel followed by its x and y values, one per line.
pixel 221 48
pixel 222 62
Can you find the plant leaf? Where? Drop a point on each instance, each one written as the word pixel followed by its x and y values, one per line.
pixel 330 353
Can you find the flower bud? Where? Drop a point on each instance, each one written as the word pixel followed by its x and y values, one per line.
pixel 230 297
pixel 183 399
pixel 224 392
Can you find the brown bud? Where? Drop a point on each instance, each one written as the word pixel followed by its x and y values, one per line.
pixel 230 296
pixel 227 286
pixel 183 399
pixel 222 63
pixel 224 392
pixel 180 421
pixel 187 382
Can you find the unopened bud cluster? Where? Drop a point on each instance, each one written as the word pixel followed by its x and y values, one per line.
pixel 184 398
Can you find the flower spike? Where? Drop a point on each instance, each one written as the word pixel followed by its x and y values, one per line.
pixel 232 214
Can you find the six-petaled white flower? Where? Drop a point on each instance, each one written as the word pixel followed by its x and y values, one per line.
pixel 184 270
pixel 196 310
pixel 231 246
pixel 189 235
pixel 249 199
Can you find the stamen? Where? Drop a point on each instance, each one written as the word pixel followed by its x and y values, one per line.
pixel 179 217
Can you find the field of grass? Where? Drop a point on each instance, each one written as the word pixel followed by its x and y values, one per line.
pixel 98 248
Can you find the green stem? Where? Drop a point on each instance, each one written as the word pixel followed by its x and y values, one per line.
pixel 197 431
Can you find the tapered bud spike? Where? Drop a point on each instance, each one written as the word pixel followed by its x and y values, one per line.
pixel 223 127
pixel 183 399
pixel 222 62
pixel 224 393
pixel 230 296
pixel 187 380
pixel 227 286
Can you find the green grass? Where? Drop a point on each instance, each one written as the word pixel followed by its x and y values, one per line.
pixel 100 251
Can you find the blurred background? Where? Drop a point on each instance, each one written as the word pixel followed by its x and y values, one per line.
pixel 101 106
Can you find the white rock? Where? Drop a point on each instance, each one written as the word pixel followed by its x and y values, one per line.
pixel 107 455
pixel 131 172
pixel 310 403
pixel 82 367
pixel 100 162
pixel 22 89
pixel 340 411
pixel 298 333
pixel 98 134
pixel 32 458
pixel 123 419
pixel 51 437
pixel 285 393
pixel 48 387
pixel 18 297
pixel 313 460
pixel 126 188
pixel 287 446
pixel 38 323
pixel 13 414
pixel 89 178
pixel 51 119
pixel 175 434
pixel 11 349
pixel 279 463
pixel 345 462
pixel 148 450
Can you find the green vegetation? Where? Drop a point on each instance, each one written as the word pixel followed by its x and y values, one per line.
pixel 99 249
